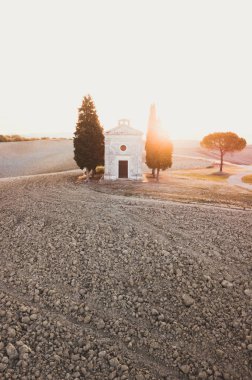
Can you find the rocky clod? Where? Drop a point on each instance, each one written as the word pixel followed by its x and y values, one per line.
pixel 187 300
pixel 11 351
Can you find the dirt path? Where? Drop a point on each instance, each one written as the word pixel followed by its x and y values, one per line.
pixel 101 286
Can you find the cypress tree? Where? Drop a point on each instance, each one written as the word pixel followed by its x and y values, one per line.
pixel 163 154
pixel 151 136
pixel 88 138
pixel 158 146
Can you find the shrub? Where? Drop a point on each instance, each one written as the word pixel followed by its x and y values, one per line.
pixel 99 169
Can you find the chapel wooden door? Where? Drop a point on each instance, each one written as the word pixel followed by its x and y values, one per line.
pixel 123 169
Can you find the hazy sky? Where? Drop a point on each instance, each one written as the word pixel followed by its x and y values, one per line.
pixel 192 58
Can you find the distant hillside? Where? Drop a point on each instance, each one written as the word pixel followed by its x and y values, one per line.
pixel 49 156
pixel 12 138
pixel 192 148
pixel 18 138
pixel 36 157
pixel 241 158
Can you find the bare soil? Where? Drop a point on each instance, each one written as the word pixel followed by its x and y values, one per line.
pixel 187 186
pixel 95 284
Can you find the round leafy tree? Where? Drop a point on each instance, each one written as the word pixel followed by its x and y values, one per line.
pixel 223 142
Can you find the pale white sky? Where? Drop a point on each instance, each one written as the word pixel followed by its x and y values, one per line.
pixel 192 58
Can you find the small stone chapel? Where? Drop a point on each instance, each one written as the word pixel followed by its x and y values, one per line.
pixel 123 152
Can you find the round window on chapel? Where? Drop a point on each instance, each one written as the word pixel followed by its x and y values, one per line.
pixel 123 148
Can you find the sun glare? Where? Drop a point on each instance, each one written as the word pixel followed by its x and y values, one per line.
pixel 127 55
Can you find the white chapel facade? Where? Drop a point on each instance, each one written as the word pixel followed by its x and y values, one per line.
pixel 123 152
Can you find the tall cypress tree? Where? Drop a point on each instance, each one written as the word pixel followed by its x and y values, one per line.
pixel 88 137
pixel 158 145
pixel 150 138
pixel 163 154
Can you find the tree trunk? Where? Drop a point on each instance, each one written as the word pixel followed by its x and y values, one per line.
pixel 221 162
pixel 153 173
pixel 88 174
pixel 158 170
